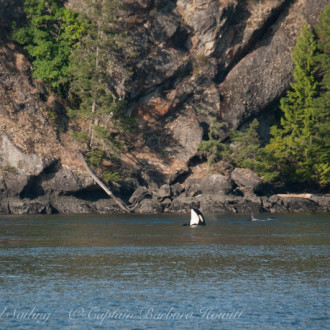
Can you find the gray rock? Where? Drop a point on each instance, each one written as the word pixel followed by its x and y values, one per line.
pixel 150 206
pixel 27 206
pixel 299 205
pixel 246 179
pixel 144 3
pixel 72 205
pixel 193 190
pixel 167 202
pixel 28 164
pixel 164 27
pixel 322 201
pixel 139 194
pixel 163 192
pixel 15 183
pixel 106 206
pixel 213 204
pixel 177 189
pixel 184 204
pixel 214 184
pixel 63 181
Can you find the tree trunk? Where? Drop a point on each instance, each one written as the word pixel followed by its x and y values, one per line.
pixel 119 202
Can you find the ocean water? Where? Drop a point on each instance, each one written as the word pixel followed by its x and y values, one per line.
pixel 149 272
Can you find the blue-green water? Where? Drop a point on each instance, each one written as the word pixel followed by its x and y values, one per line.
pixel 148 272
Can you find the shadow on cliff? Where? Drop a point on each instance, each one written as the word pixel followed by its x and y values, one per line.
pixel 261 36
pixel 11 11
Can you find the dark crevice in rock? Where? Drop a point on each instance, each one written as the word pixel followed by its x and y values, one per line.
pixel 262 34
pixel 166 84
pixel 179 40
pixel 33 188
pixel 205 126
pixel 49 209
pixel 91 195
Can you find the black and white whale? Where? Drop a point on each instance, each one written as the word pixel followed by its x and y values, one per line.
pixel 196 219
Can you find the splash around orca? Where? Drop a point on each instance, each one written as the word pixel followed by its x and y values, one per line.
pixel 196 219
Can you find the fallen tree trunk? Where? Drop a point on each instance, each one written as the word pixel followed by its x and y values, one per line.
pixel 307 196
pixel 119 202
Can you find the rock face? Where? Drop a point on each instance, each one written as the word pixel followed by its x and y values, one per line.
pixel 246 180
pixel 204 59
pixel 198 60
pixel 216 184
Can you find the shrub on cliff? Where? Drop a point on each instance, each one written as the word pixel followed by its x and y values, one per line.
pixel 52 31
pixel 246 151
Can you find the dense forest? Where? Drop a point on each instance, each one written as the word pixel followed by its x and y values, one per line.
pixel 86 59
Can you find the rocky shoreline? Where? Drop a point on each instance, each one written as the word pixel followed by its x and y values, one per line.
pixel 58 190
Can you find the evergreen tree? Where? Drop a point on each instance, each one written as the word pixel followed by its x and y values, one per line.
pixel 51 33
pixel 213 147
pixel 97 67
pixel 293 143
pixel 321 143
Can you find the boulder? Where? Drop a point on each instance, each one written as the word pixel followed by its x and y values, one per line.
pixel 62 182
pixel 14 183
pixel 184 204
pixel 177 189
pixel 10 155
pixel 213 204
pixel 216 184
pixel 140 194
pixel 193 190
pixel 106 206
pixel 300 205
pixel 323 202
pixel 167 202
pixel 72 205
pixel 27 206
pixel 246 179
pixel 163 192
pixel 150 206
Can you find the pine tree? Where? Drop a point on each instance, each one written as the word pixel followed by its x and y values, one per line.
pixel 213 146
pixel 293 143
pixel 51 33
pixel 321 141
pixel 98 64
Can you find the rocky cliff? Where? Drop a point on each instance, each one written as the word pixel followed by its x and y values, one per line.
pixel 198 59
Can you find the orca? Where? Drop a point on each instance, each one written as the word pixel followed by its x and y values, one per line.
pixel 252 218
pixel 196 219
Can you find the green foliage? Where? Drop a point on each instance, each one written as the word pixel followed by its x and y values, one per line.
pixel 213 147
pixel 95 157
pixel 80 136
pixel 98 68
pixel 85 58
pixel 49 37
pixel 321 142
pixel 296 145
pixel 109 176
pixel 246 151
pixel 108 141
pixel 94 62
